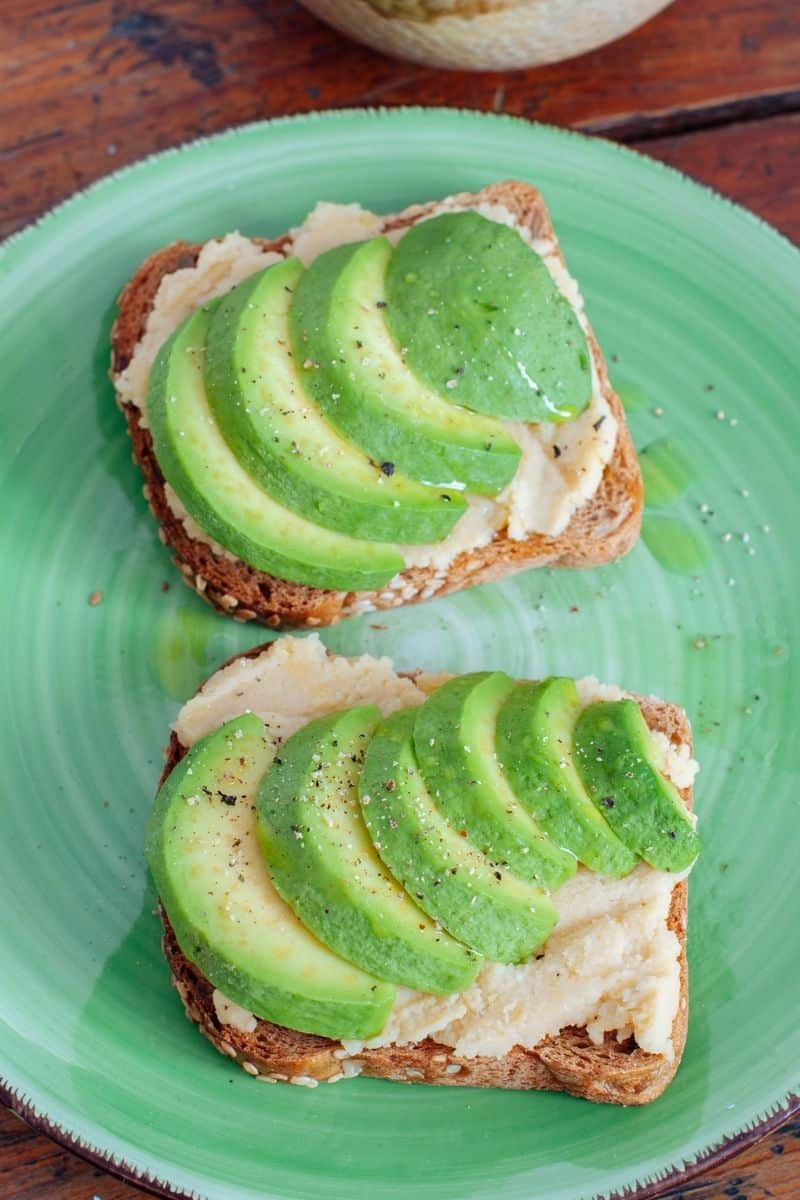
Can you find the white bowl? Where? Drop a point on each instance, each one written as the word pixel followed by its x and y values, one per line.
pixel 488 34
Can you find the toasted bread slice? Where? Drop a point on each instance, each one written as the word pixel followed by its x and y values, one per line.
pixel 616 1072
pixel 601 530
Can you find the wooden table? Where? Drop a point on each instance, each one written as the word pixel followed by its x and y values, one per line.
pixel 710 86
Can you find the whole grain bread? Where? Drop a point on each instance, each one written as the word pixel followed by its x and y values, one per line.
pixel 615 1072
pixel 601 530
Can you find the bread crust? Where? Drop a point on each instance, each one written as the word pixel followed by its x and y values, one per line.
pixel 611 1073
pixel 601 530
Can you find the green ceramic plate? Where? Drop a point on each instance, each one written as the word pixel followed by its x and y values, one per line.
pixel 697 306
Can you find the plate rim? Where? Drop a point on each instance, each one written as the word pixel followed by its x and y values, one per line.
pixel 713 1156
pixel 676 1174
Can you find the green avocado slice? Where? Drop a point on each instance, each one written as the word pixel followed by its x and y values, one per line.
pixel 323 863
pixel 499 916
pixel 358 376
pixel 615 758
pixel 228 919
pixel 483 320
pixel 454 739
pixel 226 501
pixel 535 728
pixel 282 439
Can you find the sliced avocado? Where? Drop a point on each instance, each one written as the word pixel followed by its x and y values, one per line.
pixel 358 377
pixel 498 915
pixel 535 728
pixel 324 865
pixel 227 917
pixel 483 321
pixel 616 760
pixel 225 501
pixel 454 739
pixel 282 439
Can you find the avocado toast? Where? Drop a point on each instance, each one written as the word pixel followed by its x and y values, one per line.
pixel 399 519
pixel 346 808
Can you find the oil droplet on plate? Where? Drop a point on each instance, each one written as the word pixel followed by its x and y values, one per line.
pixel 182 650
pixel 633 398
pixel 666 470
pixel 674 544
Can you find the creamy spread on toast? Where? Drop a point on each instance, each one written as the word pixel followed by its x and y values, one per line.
pixel 610 964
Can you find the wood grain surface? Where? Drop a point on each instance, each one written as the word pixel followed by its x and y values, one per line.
pixel 87 85
pixel 709 86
